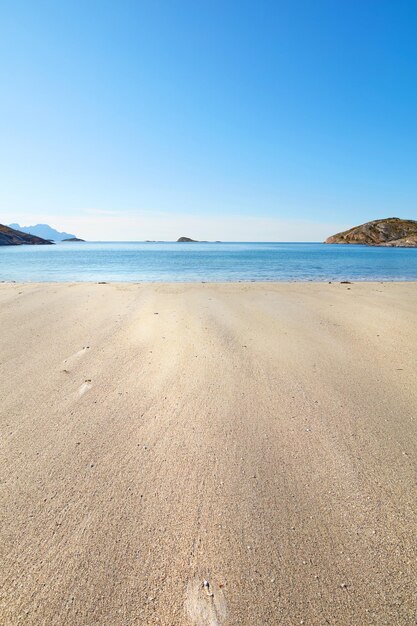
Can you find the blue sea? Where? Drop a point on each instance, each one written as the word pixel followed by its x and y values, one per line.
pixel 187 262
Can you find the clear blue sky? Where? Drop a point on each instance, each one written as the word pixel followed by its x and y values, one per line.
pixel 230 119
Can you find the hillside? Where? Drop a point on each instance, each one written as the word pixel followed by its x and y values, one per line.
pixel 389 232
pixel 11 237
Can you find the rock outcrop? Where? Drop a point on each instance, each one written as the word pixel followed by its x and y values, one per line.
pixel 186 240
pixel 11 237
pixel 72 239
pixel 404 242
pixel 389 232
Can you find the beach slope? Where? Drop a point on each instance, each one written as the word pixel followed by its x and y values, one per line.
pixel 207 454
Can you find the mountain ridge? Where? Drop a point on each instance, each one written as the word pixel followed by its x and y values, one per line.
pixel 44 231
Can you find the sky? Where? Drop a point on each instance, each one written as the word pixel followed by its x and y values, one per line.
pixel 215 119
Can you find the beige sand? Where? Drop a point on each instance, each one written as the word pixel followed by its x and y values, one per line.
pixel 257 437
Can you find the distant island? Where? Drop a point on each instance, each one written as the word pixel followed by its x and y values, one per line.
pixel 44 231
pixel 186 240
pixel 12 237
pixel 72 239
pixel 388 232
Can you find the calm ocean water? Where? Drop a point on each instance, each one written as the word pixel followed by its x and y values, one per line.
pixel 205 262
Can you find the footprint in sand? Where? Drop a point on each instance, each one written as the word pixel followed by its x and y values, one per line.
pixel 72 360
pixel 205 604
pixel 86 386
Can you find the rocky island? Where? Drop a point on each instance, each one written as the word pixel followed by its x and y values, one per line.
pixel 186 240
pixel 11 237
pixel 70 239
pixel 388 232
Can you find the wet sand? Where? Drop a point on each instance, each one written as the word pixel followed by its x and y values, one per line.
pixel 259 437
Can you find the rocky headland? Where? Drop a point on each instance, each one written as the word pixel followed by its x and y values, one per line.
pixel 11 237
pixel 388 232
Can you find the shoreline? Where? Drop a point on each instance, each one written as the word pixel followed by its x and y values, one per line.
pixel 210 282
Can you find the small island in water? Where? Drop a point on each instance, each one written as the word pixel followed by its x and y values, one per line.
pixel 388 232
pixel 186 240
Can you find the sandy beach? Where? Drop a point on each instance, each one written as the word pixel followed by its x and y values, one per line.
pixel 259 437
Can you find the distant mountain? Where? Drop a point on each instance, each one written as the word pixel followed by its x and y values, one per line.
pixel 11 237
pixel 43 230
pixel 388 232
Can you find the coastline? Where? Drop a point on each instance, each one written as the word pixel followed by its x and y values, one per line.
pixel 257 435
